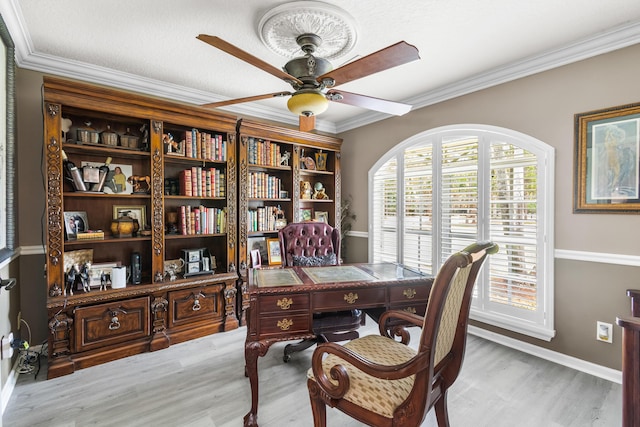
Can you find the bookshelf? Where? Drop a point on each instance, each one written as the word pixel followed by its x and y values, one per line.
pixel 275 164
pixel 153 143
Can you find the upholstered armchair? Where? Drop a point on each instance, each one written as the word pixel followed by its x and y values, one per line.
pixel 383 382
pixel 317 244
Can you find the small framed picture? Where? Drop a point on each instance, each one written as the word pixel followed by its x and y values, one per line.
pixel 256 259
pixel 321 216
pixel 74 223
pixel 138 212
pixel 259 244
pixel 100 274
pixel 116 181
pixel 306 214
pixel 273 247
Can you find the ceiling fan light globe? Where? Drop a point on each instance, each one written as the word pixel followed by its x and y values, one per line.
pixel 308 104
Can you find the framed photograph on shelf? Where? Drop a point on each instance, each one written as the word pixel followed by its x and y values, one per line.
pixel 607 160
pixel 273 246
pixel 101 272
pixel 321 216
pixel 306 214
pixel 74 223
pixel 116 182
pixel 259 244
pixel 138 212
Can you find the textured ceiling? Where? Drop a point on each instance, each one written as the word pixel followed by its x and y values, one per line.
pixel 465 45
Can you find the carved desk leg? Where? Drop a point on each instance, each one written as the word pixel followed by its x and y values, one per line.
pixel 253 350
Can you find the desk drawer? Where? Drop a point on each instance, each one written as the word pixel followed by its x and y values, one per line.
pixel 111 323
pixel 284 303
pixel 419 307
pixel 408 294
pixel 347 299
pixel 283 325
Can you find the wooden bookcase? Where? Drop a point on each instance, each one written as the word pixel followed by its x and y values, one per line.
pixel 267 183
pixel 96 326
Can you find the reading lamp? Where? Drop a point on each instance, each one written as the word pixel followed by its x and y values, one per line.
pixel 8 284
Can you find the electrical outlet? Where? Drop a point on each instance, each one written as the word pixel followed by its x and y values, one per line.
pixel 604 332
pixel 7 350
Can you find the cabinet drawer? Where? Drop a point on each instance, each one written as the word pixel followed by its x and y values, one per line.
pixel 355 298
pixel 284 325
pixel 399 294
pixel 111 323
pixel 419 307
pixel 282 303
pixel 189 305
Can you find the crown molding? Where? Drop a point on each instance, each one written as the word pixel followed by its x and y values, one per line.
pixel 613 39
pixel 604 42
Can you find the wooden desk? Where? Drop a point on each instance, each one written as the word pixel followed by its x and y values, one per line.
pixel 282 303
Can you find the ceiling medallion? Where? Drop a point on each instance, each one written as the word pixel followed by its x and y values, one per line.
pixel 279 27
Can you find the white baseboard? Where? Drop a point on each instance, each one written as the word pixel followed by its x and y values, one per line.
pixel 552 356
pixel 9 386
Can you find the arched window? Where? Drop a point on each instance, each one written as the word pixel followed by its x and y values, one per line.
pixel 442 189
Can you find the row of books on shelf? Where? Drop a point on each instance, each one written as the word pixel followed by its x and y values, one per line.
pixel 263 152
pixel 202 220
pixel 263 218
pixel 198 145
pixel 264 186
pixel 202 182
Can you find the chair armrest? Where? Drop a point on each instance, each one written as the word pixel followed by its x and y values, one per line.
pixel 340 384
pixel 398 330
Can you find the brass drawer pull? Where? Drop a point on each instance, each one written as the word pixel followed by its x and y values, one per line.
pixel 285 324
pixel 409 293
pixel 411 310
pixel 196 305
pixel 285 303
pixel 350 298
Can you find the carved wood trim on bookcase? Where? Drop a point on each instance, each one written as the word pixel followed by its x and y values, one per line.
pixel 232 195
pixel 338 193
pixel 55 233
pixel 243 202
pixel 157 201
pixel 295 165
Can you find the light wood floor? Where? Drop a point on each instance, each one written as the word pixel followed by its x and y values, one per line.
pixel 201 383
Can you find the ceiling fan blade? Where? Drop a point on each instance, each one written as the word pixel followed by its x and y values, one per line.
pixel 247 99
pixel 247 57
pixel 389 57
pixel 307 123
pixel 369 102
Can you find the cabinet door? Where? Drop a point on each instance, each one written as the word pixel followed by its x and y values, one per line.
pixel 111 323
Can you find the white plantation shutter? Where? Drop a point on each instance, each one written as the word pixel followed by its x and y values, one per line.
pixel 460 185
pixel 418 205
pixel 459 195
pixel 384 214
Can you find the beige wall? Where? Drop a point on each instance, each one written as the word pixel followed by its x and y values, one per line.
pixel 542 106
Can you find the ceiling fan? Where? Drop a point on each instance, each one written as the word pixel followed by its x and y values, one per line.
pixel 314 79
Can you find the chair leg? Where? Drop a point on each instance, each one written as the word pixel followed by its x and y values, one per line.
pixel 442 414
pixel 318 408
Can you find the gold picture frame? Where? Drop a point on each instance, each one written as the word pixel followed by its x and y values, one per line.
pixel 138 212
pixel 273 251
pixel 607 159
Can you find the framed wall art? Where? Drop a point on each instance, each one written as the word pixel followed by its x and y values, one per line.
pixel 607 160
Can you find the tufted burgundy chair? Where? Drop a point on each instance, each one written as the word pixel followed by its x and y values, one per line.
pixel 319 244
pixel 309 239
